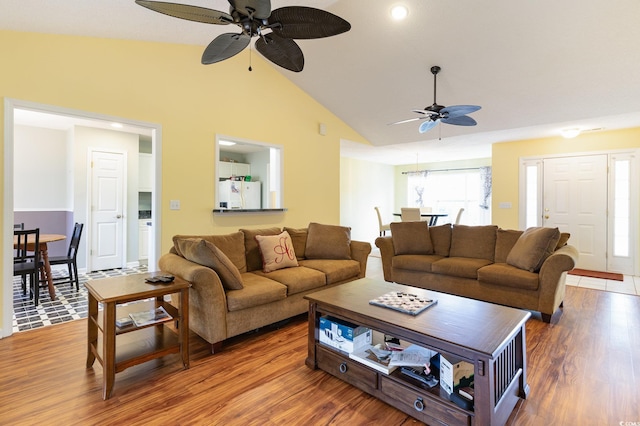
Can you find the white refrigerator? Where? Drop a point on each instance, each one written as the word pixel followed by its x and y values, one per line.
pixel 235 194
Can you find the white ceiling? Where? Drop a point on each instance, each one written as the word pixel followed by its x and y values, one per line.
pixel 534 67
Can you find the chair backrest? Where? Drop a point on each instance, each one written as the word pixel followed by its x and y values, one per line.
pixel 459 216
pixel 379 217
pixel 18 226
pixel 410 214
pixel 26 244
pixel 75 240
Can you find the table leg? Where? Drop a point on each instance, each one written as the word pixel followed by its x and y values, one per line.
pixel 47 270
pixel 109 348
pixel 92 330
pixel 183 327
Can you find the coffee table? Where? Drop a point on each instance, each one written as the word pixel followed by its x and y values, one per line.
pixel 134 345
pixel 491 337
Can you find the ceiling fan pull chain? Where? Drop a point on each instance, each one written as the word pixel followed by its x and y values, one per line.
pixel 250 49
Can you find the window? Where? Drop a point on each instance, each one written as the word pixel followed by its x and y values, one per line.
pixel 447 191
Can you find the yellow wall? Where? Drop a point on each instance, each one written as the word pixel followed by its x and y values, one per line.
pixel 166 84
pixel 506 159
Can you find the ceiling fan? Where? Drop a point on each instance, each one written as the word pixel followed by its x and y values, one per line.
pixel 455 114
pixel 255 17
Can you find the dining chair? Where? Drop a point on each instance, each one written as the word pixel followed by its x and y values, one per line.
pixel 458 216
pixel 383 227
pixel 70 259
pixel 410 214
pixel 27 263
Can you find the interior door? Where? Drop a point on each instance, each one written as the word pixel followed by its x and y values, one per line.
pixel 575 201
pixel 107 210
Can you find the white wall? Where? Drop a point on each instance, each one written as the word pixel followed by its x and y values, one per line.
pixel 363 186
pixel 41 170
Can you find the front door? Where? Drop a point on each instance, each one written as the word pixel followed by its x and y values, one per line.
pixel 575 201
pixel 107 210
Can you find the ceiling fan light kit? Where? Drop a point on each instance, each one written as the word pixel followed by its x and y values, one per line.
pixel 276 29
pixel 434 114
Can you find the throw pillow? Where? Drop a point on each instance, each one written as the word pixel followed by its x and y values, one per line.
pixel 298 239
pixel 328 242
pixel 205 253
pixel 476 242
pixel 533 247
pixel 564 237
pixel 251 249
pixel 277 251
pixel 411 238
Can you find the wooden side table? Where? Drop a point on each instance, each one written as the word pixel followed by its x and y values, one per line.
pixel 134 345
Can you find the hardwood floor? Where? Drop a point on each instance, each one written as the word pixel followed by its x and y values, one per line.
pixel 583 368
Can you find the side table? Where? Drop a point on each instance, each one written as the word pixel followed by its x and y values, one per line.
pixel 134 345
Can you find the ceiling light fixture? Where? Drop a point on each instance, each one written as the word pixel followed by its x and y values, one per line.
pixel 399 12
pixel 116 125
pixel 570 133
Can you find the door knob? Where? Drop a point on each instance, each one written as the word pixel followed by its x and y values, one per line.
pixel 119 216
pixel 546 216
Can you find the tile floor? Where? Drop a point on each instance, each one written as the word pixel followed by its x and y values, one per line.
pixel 630 285
pixel 70 304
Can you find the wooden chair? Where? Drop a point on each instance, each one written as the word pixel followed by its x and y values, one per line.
pixel 384 227
pixel 458 216
pixel 28 263
pixel 410 214
pixel 70 259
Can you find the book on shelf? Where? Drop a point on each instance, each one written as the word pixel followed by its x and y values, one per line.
pixel 151 316
pixel 412 356
pixel 367 357
pixel 124 322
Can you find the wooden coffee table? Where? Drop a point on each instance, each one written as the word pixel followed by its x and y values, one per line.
pixel 491 337
pixel 134 345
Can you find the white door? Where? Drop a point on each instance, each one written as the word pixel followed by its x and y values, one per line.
pixel 107 210
pixel 575 201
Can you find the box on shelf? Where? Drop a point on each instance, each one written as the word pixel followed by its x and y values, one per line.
pixel 343 335
pixel 454 375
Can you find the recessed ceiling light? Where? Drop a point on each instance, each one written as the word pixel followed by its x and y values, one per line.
pixel 399 12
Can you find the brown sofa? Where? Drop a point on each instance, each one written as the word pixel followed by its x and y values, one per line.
pixel 525 270
pixel 230 291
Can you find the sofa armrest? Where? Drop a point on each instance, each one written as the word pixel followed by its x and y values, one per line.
pixel 360 251
pixel 552 277
pixel 207 298
pixel 385 244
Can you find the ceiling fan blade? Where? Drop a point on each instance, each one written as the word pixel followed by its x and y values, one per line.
pixel 224 46
pixel 408 120
pixel 427 125
pixel 303 22
pixel 424 112
pixel 258 9
pixel 461 120
pixel 190 13
pixel 281 51
pixel 458 110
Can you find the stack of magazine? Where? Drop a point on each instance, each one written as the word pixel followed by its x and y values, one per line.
pixel 152 316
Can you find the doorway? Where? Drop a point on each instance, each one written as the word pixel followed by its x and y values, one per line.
pixel 80 118
pixel 594 197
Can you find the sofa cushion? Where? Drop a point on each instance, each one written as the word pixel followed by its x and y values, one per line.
pixel 205 253
pixel 505 240
pixel 277 251
pixel 533 247
pixel 299 240
pixel 508 276
pixel 231 244
pixel 478 242
pixel 411 238
pixel 335 270
pixel 297 279
pixel 328 242
pixel 441 239
pixel 251 249
pixel 463 267
pixel 258 290
pixel 414 262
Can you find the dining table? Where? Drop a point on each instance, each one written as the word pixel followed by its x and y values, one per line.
pixel 433 217
pixel 45 272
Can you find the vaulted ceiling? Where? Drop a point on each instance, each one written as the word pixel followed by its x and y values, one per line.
pixel 534 67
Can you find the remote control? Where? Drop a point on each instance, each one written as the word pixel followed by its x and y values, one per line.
pixel 429 380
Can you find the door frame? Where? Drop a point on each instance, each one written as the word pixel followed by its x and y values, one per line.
pixel 634 206
pixel 10 104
